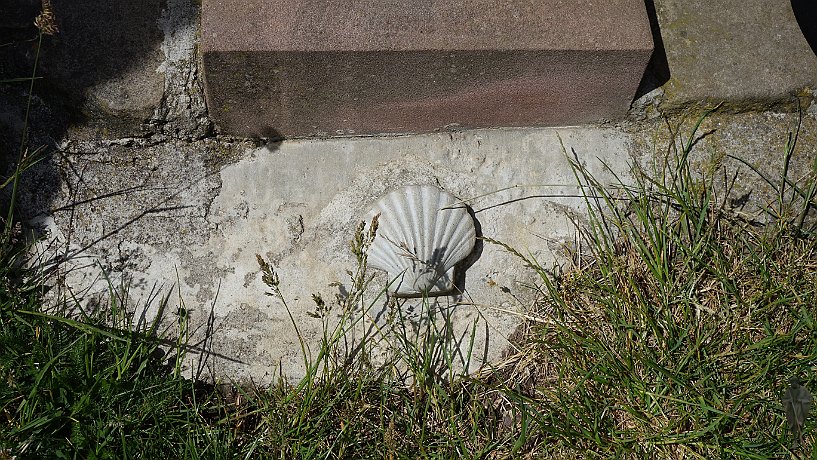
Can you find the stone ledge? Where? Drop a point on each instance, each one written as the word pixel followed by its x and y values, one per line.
pixel 753 58
pixel 317 68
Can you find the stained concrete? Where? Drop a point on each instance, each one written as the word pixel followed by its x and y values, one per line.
pixel 187 219
pixel 177 211
pixel 201 231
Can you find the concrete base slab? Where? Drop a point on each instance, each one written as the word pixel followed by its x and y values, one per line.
pixel 301 68
pixel 298 204
pixel 187 220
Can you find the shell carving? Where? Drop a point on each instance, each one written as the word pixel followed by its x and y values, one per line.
pixel 422 233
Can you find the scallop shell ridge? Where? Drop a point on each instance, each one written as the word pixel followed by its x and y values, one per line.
pixel 423 232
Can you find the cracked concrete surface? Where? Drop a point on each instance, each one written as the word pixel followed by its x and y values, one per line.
pixel 133 212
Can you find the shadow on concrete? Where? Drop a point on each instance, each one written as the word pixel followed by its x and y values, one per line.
pixel 92 72
pixel 18 46
pixel 471 259
pixel 657 72
pixel 270 138
pixel 806 13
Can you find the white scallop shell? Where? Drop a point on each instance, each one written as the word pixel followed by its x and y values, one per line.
pixel 422 233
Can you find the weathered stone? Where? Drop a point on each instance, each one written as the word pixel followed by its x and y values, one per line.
pixel 751 54
pixel 112 70
pixel 183 111
pixel 104 61
pixel 326 68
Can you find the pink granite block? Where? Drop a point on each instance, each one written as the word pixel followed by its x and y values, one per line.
pixel 322 67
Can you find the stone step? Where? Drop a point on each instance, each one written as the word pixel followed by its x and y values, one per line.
pixel 318 67
pixel 757 56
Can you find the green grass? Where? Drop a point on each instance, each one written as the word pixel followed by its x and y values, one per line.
pixel 672 336
pixel 679 336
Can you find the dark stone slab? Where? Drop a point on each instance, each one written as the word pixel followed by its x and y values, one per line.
pixel 318 67
pixel 99 71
